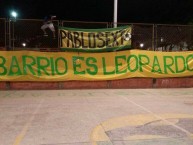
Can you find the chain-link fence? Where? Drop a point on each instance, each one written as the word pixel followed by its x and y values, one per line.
pixel 26 34
pixel 85 25
pixel 2 34
pixel 159 37
pixel 174 37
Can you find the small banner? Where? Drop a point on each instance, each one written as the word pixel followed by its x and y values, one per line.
pixel 65 66
pixel 95 40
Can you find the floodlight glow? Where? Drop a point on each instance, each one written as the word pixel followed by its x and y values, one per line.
pixel 14 14
pixel 162 39
pixel 24 44
pixel 141 45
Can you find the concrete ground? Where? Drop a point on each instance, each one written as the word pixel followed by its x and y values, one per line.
pixel 97 117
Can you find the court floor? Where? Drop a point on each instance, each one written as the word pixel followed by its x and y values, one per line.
pixel 97 117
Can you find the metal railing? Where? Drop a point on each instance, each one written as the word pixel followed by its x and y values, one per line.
pixel 156 37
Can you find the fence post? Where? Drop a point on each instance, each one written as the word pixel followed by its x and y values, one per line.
pixel 153 39
pixel 9 33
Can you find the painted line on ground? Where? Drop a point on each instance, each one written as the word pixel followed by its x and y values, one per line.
pixel 26 127
pixel 8 94
pixel 159 117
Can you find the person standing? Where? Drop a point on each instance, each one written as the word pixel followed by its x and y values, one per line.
pixel 48 24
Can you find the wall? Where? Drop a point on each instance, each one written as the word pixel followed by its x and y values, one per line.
pixel 133 83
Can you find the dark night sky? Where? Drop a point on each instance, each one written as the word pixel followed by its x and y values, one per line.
pixel 131 11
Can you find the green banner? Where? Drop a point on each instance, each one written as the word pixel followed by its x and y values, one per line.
pixel 95 40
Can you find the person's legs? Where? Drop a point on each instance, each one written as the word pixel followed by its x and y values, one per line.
pixel 43 27
pixel 51 26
